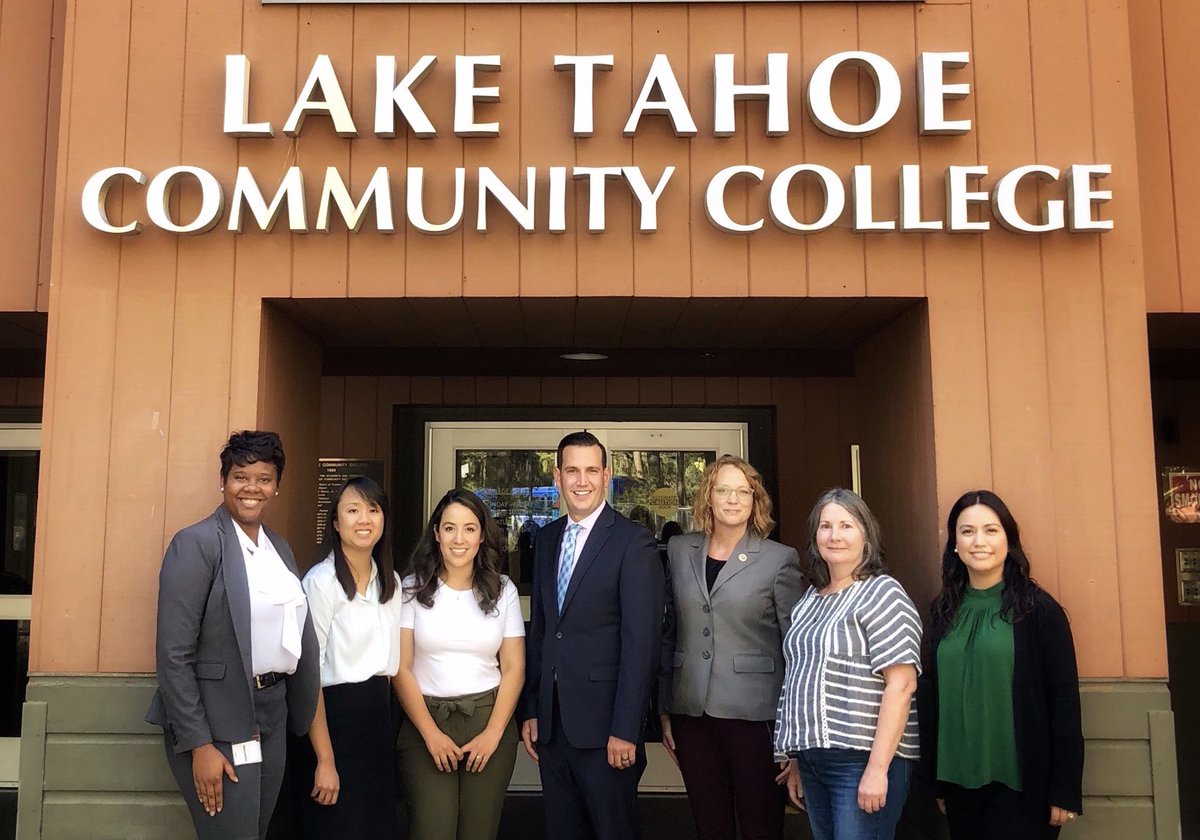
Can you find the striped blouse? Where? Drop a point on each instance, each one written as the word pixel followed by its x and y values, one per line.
pixel 836 650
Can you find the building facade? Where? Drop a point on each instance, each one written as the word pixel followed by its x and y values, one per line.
pixel 949 237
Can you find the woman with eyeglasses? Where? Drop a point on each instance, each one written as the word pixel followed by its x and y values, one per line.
pixel 730 593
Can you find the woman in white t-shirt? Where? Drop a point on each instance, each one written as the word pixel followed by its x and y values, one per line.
pixel 354 599
pixel 462 664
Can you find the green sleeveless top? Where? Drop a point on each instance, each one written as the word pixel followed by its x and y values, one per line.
pixel 977 743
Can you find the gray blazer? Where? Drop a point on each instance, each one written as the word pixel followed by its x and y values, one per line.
pixel 205 681
pixel 723 652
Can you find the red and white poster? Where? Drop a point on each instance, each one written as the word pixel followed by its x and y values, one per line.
pixel 1181 495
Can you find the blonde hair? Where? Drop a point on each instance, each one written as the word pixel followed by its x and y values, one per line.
pixel 760 522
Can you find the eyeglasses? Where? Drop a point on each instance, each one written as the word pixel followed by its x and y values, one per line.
pixel 744 494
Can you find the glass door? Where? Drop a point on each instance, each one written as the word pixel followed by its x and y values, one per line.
pixel 20 446
pixel 656 469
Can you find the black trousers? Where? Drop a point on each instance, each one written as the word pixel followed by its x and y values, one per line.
pixel 360 728
pixel 249 802
pixel 994 812
pixel 585 798
pixel 729 768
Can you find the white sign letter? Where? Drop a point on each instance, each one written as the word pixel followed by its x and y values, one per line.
pixel 389 96
pixel 725 93
pixel 959 198
pixel 932 91
pixel 378 190
pixel 910 201
pixel 490 184
pixel 333 102
pixel 158 197
pixel 416 201
pixel 864 213
pixel 291 190
pixel 466 95
pixel 672 103
pixel 831 187
pixel 887 94
pixel 1081 197
pixel 714 199
pixel 596 177
pixel 1004 202
pixel 647 198
pixel 95 194
pixel 584 67
pixel 237 100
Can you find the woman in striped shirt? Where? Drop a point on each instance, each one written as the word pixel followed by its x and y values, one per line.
pixel 846 716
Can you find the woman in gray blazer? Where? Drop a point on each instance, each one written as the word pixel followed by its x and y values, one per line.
pixel 236 651
pixel 729 597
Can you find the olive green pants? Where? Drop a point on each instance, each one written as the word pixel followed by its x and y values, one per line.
pixel 458 805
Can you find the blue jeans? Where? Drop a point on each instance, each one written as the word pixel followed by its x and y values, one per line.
pixel 830 779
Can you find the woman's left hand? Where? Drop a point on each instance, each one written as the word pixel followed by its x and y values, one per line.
pixel 872 790
pixel 480 748
pixel 326 783
pixel 784 772
pixel 1061 816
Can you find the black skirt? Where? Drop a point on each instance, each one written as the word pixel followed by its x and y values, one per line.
pixel 360 728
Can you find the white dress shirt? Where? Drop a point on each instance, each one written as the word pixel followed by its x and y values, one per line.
pixel 359 637
pixel 277 606
pixel 585 527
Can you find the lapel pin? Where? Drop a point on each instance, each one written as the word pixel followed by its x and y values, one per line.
pixel 742 558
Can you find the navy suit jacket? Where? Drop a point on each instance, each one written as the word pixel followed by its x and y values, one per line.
pixel 603 649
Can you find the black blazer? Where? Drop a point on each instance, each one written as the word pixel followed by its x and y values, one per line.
pixel 1046 713
pixel 603 650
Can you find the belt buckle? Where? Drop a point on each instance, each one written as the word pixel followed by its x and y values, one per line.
pixel 262 681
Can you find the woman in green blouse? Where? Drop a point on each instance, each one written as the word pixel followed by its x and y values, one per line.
pixel 1000 723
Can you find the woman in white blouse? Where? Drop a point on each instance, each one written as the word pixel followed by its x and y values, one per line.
pixel 354 598
pixel 846 717
pixel 462 664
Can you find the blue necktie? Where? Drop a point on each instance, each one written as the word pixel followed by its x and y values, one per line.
pixel 566 562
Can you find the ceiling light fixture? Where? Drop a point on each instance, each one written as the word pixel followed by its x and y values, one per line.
pixel 583 357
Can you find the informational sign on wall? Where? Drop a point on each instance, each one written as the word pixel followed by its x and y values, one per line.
pixel 1181 494
pixel 332 473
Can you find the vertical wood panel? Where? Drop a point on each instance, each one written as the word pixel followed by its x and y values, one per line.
pixel 360 416
pixel 753 390
pixel 1157 189
pixel 458 390
pixel 8 392
pixel 835 255
pixel 25 50
pixel 491 390
pixel 50 157
pixel 954 285
pixel 203 316
pixel 654 390
pixel 319 259
pixel 622 390
pixel 1017 389
pixel 524 390
pixel 376 263
pixel 548 261
pixel 29 391
pixel 589 390
pixel 687 390
pixel 662 261
pixel 392 391
pixel 791 464
pixel 1181 32
pixel 776 259
pixel 434 263
pixel 492 262
pixel 426 390
pixel 1125 337
pixel 79 356
pixel 605 260
pixel 894 262
pixel 719 260
pixel 141 393
pixel 333 416
pixel 1075 350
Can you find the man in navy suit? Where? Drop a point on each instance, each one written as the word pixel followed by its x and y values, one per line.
pixel 595 627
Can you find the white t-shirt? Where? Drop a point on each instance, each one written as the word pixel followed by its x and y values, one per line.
pixel 455 645
pixel 359 638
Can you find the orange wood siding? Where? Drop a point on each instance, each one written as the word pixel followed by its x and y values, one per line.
pixel 1036 346
pixel 30 71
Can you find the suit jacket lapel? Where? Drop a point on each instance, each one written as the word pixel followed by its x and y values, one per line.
pixel 591 550
pixel 698 557
pixel 237 587
pixel 748 547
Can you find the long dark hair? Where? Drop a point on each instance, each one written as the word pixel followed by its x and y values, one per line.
pixel 1020 590
pixel 485 574
pixel 385 566
pixel 873 559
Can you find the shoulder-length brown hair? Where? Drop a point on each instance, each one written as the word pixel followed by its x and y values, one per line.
pixel 873 562
pixel 426 560
pixel 760 522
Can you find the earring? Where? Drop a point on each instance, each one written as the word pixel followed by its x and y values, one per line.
pixel 276 492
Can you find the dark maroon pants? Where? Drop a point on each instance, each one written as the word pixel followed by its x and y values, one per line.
pixel 729 769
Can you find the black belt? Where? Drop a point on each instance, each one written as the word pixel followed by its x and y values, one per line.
pixel 267 680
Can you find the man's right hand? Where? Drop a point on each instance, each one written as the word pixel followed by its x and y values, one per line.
pixel 529 735
pixel 208 765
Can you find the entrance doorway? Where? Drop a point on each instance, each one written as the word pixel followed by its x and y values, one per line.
pixel 20 449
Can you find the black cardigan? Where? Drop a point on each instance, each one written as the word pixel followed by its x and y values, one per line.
pixel 1046 712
